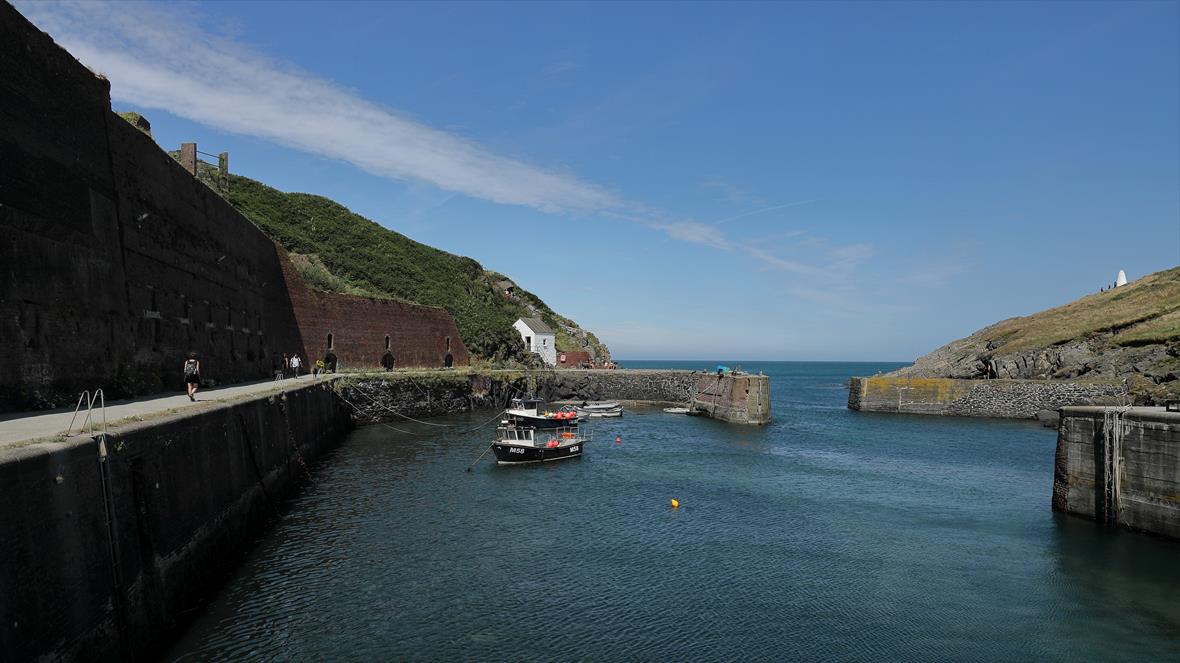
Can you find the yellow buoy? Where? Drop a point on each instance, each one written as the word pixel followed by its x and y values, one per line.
pixel 675 504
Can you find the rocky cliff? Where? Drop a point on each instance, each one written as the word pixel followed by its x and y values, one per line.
pixel 1131 332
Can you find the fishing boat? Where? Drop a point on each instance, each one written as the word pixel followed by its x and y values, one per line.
pixel 608 409
pixel 531 413
pixel 515 444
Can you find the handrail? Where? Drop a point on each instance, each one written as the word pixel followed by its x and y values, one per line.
pixel 85 396
pixel 90 400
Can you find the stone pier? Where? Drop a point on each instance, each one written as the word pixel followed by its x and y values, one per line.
pixel 738 399
pixel 1008 399
pixel 1120 466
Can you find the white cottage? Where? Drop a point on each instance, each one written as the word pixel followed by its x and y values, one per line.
pixel 538 338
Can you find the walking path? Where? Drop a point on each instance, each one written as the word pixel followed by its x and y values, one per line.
pixel 25 426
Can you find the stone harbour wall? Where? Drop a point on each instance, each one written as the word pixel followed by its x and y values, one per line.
pixel 100 561
pixel 1146 495
pixel 620 384
pixel 1009 399
pixel 375 398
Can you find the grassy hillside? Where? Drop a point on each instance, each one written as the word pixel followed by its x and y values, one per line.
pixel 339 251
pixel 1130 333
pixel 1141 312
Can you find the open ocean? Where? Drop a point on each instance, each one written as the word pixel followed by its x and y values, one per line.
pixel 826 535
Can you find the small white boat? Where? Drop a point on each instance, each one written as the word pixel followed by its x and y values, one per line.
pixel 608 409
pixel 676 410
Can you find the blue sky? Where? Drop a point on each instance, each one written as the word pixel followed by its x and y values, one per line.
pixel 843 181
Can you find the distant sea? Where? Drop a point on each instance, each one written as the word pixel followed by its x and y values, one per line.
pixel 826 535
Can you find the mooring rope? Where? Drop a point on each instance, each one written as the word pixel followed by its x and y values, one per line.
pixel 374 401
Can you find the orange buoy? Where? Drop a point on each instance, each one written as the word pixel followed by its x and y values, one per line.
pixel 675 503
pixel 551 444
pixel 567 435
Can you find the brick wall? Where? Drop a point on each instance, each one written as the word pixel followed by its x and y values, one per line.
pixel 572 359
pixel 367 332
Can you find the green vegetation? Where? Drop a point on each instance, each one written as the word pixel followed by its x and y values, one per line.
pixel 1141 312
pixel 338 251
pixel 138 121
pixel 317 276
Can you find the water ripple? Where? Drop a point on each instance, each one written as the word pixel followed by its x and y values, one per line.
pixel 828 535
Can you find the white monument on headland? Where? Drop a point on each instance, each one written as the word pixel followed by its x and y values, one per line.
pixel 1121 280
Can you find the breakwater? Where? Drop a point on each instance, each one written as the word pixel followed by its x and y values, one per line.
pixel 102 557
pixel 1008 399
pixel 1120 466
pixel 739 399
pixel 735 399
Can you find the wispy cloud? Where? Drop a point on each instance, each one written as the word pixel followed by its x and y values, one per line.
pixel 216 82
pixel 760 211
pixel 729 192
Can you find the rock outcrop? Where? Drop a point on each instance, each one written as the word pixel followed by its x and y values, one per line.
pixel 1129 333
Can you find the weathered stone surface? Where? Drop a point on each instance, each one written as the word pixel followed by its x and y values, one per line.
pixel 736 399
pixel 739 399
pixel 1012 399
pixel 630 384
pixel 1149 471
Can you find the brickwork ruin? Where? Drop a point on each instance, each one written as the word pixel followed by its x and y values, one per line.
pixel 117 262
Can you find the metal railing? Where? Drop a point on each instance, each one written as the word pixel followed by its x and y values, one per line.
pixel 90 400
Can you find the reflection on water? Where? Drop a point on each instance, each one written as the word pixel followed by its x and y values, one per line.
pixel 827 535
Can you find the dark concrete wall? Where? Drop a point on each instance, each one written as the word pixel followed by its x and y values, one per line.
pixel 188 495
pixel 1011 399
pixel 1149 471
pixel 118 262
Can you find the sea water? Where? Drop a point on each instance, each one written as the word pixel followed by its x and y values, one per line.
pixel 826 535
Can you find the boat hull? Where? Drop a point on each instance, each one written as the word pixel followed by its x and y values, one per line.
pixel 598 414
pixel 517 454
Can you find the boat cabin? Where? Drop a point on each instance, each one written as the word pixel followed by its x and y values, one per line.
pixel 530 406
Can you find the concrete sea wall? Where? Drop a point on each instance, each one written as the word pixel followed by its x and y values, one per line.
pixel 1122 470
pixel 100 561
pixel 1010 399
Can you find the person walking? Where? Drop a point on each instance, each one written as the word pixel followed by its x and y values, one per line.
pixel 192 375
pixel 286 365
pixel 295 364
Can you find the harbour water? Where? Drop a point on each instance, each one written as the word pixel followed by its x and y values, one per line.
pixel 827 534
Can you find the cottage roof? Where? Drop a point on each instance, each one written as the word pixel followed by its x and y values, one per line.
pixel 537 326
